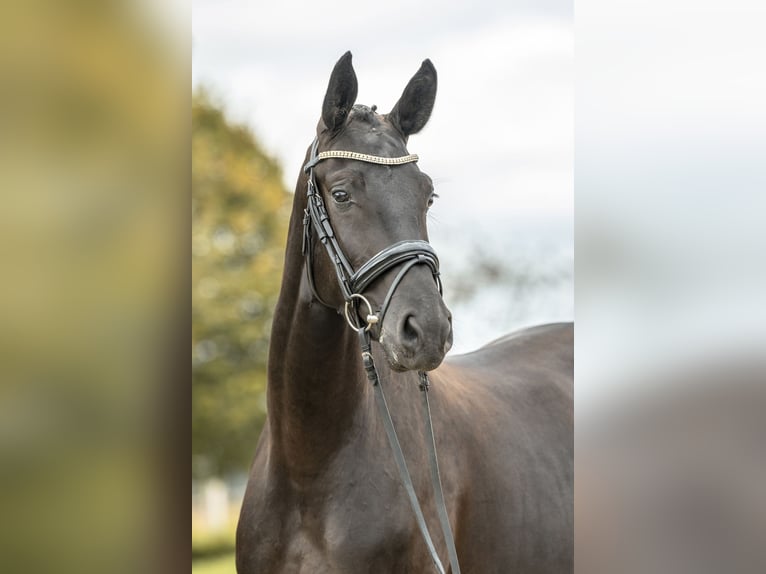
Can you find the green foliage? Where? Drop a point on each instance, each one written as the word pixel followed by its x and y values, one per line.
pixel 239 220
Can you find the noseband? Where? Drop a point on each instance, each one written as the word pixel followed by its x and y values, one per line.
pixel 352 284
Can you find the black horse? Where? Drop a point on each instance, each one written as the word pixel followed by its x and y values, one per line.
pixel 324 494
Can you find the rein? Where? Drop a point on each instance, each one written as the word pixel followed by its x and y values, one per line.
pixel 353 283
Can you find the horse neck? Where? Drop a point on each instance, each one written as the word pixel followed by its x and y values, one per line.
pixel 316 385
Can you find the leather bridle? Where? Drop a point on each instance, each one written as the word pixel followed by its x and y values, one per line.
pixel 352 284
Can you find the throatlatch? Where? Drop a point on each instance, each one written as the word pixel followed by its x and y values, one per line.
pixel 352 283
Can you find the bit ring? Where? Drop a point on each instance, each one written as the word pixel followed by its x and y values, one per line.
pixel 372 318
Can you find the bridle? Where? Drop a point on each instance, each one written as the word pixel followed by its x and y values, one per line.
pixel 352 284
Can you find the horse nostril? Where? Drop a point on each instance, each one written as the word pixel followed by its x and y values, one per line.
pixel 410 331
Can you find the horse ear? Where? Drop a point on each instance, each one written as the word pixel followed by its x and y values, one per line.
pixel 411 112
pixel 341 93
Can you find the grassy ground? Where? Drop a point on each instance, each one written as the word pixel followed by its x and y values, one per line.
pixel 219 565
pixel 213 551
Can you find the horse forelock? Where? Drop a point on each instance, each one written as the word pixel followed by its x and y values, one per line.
pixel 365 131
pixel 367 114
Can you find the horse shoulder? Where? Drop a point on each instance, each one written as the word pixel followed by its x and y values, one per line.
pixel 506 435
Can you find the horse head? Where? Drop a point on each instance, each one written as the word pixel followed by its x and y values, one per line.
pixel 373 206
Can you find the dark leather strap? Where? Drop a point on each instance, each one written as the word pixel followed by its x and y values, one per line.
pixel 393 441
pixel 436 483
pixel 391 290
pixel 390 257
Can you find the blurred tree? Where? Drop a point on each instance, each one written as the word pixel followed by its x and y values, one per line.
pixel 239 223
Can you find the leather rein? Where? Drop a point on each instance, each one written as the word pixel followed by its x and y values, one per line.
pixel 352 283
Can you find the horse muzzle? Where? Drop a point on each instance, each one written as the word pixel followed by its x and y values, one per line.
pixel 417 337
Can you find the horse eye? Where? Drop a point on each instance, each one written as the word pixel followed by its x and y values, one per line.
pixel 432 198
pixel 340 196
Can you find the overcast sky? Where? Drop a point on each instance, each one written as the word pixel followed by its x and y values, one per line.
pixel 500 140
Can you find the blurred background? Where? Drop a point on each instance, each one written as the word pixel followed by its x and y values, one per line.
pixel 670 141
pixel 94 284
pixel 499 147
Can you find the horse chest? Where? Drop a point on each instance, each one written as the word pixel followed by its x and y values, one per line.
pixel 342 524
